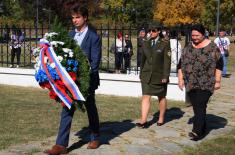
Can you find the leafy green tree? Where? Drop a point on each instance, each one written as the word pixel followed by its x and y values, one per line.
pixel 12 8
pixel 227 14
pixel 128 11
pixel 173 12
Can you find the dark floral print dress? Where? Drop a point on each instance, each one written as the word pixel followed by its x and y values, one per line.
pixel 198 66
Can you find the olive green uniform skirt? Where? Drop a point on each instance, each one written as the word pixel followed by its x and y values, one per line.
pixel 154 89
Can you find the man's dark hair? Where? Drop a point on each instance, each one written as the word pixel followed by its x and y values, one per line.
pixel 78 8
pixel 221 30
pixel 199 27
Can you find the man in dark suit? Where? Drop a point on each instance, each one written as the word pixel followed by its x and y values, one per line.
pixel 90 43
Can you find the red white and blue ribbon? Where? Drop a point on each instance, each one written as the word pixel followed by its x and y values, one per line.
pixel 63 74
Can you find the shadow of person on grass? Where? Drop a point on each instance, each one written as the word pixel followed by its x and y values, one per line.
pixel 171 114
pixel 213 122
pixel 108 131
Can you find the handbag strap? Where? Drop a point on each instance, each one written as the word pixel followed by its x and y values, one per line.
pixel 222 44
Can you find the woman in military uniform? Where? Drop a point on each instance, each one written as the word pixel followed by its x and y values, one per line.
pixel 154 74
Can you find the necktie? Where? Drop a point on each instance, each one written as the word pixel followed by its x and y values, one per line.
pixel 153 43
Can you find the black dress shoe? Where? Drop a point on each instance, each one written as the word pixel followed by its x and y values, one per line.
pixel 143 126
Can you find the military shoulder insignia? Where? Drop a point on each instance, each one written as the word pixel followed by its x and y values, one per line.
pixel 169 53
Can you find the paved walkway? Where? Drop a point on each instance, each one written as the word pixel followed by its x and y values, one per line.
pixel 124 138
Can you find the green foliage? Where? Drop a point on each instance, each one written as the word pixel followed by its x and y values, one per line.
pixel 227 14
pixel 84 68
pixel 131 11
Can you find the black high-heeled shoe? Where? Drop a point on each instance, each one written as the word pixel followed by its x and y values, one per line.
pixel 160 124
pixel 143 126
pixel 194 136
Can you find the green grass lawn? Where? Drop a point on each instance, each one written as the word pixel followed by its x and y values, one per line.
pixel 27 114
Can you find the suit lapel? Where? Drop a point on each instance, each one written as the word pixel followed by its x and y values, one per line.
pixel 72 34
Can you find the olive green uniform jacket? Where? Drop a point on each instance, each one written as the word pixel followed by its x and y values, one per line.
pixel 155 61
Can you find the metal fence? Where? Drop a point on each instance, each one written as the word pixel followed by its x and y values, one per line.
pixel 108 36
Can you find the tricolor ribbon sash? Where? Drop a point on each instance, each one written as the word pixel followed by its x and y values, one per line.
pixel 70 85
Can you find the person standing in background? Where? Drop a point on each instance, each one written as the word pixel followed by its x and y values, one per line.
pixel 119 52
pixel 128 52
pixel 15 45
pixel 223 43
pixel 140 39
pixel 175 50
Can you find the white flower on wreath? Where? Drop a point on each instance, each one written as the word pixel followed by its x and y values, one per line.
pixel 43 40
pixel 37 65
pixel 66 50
pixel 37 59
pixel 48 35
pixel 60 58
pixel 36 51
pixel 52 65
pixel 70 54
pixel 56 43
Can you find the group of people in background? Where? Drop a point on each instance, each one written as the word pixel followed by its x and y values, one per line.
pixel 123 50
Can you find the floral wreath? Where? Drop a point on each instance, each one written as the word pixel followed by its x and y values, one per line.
pixel 62 68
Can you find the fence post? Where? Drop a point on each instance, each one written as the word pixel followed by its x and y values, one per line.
pixel 101 37
pixel 22 32
pixel 3 40
pixel 122 63
pixel 108 46
pixel 8 30
pixel 30 37
pixel 115 37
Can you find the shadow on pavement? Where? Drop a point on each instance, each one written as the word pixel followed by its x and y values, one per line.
pixel 108 131
pixel 226 76
pixel 171 114
pixel 213 122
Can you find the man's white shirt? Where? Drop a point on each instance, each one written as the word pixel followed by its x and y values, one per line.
pixel 222 43
pixel 79 36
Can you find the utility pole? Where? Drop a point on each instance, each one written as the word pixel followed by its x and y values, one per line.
pixel 217 19
pixel 49 18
